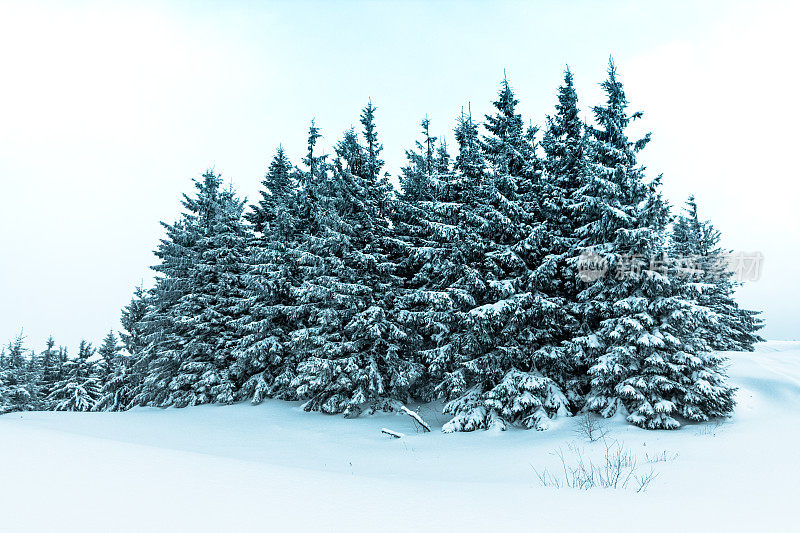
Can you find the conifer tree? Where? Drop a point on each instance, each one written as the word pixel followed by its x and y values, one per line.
pixel 567 170
pixel 373 163
pixel 17 392
pixel 32 377
pixel 315 163
pixel 80 386
pixel 422 164
pixel 161 327
pixel 644 350
pixel 109 353
pixel 210 311
pixel 501 377
pixel 260 356
pixel 565 164
pixel 132 334
pixel 508 146
pixel 441 162
pixel 190 327
pixel 351 346
pixel 50 364
pixel 695 245
pixel 128 382
pixel 113 369
pixel 278 185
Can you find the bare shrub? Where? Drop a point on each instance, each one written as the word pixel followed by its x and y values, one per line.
pixel 618 469
pixel 709 428
pixel 662 457
pixel 591 427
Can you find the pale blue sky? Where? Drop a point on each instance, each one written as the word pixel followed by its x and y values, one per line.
pixel 108 110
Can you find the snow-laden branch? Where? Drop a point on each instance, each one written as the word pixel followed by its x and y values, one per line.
pixel 391 433
pixel 418 419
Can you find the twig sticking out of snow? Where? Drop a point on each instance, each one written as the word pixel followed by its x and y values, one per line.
pixel 418 419
pixel 391 433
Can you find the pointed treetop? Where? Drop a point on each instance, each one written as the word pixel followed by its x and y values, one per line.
pixel 508 146
pixel 613 120
pixel 442 157
pixel 278 178
pixel 565 126
pixel 469 160
pixel 374 163
pixel 110 348
pixel 430 144
pixel 506 103
pixel 313 162
pixel 350 154
pixel 204 205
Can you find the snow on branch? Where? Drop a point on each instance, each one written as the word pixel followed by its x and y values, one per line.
pixel 418 419
pixel 391 433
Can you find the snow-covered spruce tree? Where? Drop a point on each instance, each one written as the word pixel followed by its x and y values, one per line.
pixel 50 365
pixel 349 341
pixel 80 387
pixel 695 244
pixel 508 147
pixel 110 354
pixel 34 381
pixel 416 181
pixel 270 213
pixel 645 353
pixel 133 337
pixel 210 311
pixel 161 329
pixel 18 385
pixel 113 370
pixel 53 371
pixel 507 365
pixel 132 334
pixel 428 243
pixel 566 171
pixel 260 355
pixel 189 328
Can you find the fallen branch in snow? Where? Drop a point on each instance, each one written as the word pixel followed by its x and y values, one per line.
pixel 391 433
pixel 418 419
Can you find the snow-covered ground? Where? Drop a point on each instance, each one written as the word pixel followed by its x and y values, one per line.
pixel 273 466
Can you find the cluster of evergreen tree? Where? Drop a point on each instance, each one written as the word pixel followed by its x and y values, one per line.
pixel 464 286
pixel 52 381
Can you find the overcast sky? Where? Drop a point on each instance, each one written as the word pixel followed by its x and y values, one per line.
pixel 108 110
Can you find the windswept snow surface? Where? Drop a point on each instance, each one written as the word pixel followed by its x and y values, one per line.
pixel 273 466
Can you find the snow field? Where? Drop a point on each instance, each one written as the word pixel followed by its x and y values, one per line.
pixel 274 466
